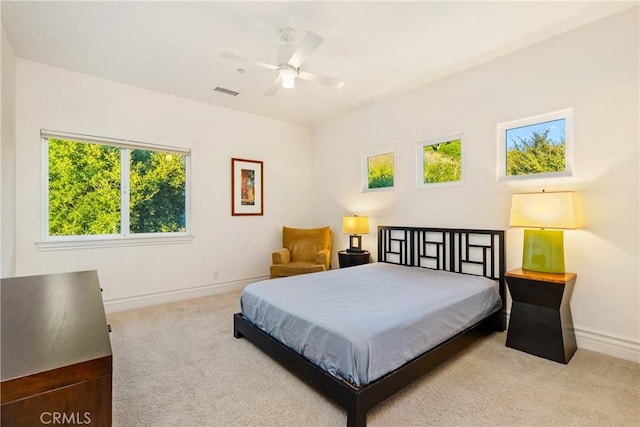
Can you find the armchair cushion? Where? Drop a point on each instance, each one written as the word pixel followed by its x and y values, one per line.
pixel 294 268
pixel 305 250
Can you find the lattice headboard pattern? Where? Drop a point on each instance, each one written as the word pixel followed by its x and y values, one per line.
pixel 478 252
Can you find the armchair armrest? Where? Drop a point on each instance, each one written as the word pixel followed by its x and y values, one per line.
pixel 323 257
pixel 282 256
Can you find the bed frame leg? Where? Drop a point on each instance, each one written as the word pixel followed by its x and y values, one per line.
pixel 501 321
pixel 356 418
pixel 236 333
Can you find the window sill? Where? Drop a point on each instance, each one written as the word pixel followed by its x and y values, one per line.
pixel 56 245
pixel 440 184
pixel 373 190
pixel 532 177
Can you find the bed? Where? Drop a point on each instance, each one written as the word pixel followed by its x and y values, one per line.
pixel 360 334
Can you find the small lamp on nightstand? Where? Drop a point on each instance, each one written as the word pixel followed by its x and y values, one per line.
pixel 544 249
pixel 355 225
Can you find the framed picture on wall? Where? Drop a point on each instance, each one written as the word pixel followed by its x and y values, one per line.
pixel 246 187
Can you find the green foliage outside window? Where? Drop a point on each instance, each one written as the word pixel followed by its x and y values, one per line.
pixel 442 162
pixel 85 190
pixel 380 171
pixel 157 199
pixel 535 154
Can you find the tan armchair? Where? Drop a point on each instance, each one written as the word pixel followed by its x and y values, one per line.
pixel 305 250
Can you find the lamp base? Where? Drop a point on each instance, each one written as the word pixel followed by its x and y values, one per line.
pixel 355 244
pixel 543 251
pixel 355 251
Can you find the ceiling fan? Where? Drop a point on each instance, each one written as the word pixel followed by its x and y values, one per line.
pixel 290 58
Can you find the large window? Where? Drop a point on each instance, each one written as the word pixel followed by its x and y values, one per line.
pixel 100 188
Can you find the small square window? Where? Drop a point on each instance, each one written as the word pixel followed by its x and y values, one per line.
pixel 378 171
pixel 536 147
pixel 439 161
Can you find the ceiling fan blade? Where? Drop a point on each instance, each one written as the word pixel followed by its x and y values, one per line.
pixel 274 87
pixel 323 80
pixel 233 57
pixel 310 43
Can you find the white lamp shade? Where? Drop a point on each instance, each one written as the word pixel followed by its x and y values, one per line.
pixel 546 210
pixel 355 224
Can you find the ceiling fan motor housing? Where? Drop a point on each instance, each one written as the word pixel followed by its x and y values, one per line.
pixel 287 35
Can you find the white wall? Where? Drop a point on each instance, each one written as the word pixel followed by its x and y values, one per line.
pixel 7 156
pixel 237 248
pixel 594 70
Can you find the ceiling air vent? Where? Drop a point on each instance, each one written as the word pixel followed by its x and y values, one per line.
pixel 226 91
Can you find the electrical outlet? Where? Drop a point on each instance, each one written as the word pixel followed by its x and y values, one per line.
pixel 215 274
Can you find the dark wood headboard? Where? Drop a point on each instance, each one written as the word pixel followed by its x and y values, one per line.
pixel 459 250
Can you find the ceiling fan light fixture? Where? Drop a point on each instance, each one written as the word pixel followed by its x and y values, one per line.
pixel 288 78
pixel 290 59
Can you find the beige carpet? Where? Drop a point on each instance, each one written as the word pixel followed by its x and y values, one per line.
pixel 179 365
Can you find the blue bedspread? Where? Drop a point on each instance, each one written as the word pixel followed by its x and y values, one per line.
pixel 362 322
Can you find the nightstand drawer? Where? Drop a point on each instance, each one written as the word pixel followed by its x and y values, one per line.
pixel 350 259
pixel 536 293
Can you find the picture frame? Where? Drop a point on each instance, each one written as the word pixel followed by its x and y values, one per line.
pixel 520 140
pixel 247 186
pixel 378 170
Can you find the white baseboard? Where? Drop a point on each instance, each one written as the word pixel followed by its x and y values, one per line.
pixel 622 348
pixel 140 301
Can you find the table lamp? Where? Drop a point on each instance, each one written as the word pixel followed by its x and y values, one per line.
pixel 355 225
pixel 544 249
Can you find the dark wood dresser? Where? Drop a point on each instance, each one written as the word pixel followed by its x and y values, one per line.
pixel 56 360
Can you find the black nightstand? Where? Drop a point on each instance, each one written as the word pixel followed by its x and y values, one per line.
pixel 349 259
pixel 540 322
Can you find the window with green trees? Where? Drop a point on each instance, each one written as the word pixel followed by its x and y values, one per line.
pixel 536 147
pixel 440 161
pixel 378 171
pixel 95 188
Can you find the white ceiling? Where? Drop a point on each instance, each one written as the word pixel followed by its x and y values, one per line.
pixel 379 48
